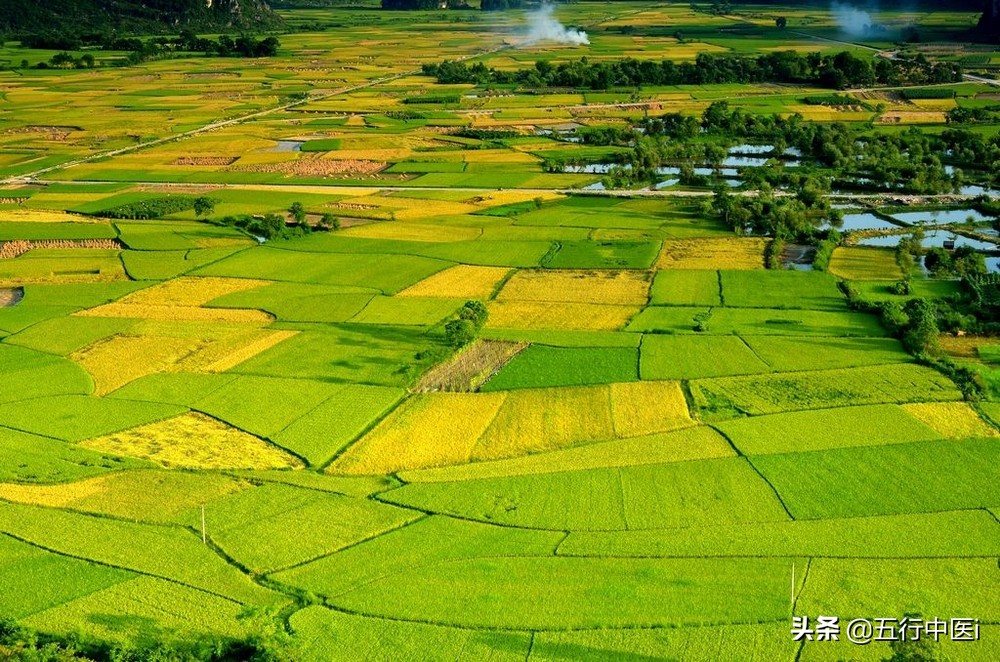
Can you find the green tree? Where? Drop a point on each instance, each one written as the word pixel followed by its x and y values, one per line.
pixel 329 222
pixel 203 206
pixel 475 312
pixel 460 332
pixel 298 212
pixel 781 22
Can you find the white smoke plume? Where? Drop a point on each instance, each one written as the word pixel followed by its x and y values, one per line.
pixel 852 20
pixel 544 26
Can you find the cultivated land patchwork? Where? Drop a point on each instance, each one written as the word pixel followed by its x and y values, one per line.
pixel 419 338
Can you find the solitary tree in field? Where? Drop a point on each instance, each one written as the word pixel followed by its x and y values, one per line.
pixel 298 212
pixel 203 206
pixel 781 22
pixel 329 222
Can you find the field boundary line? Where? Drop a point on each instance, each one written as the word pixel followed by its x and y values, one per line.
pixel 570 628
pixel 324 467
pixel 105 564
pixel 741 454
pixel 356 543
pixel 805 579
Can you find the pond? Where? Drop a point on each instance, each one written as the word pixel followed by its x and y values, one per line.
pixel 594 168
pixel 865 221
pixel 932 238
pixel 288 146
pixel 10 296
pixel 939 217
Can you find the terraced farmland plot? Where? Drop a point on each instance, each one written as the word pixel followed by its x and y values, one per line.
pixel 429 540
pixel 946 534
pixel 812 290
pixel 31 374
pixel 755 321
pixel 723 253
pixel 164 552
pixel 262 527
pixel 299 302
pixel 604 255
pixel 77 417
pixel 686 288
pixel 657 496
pixel 861 263
pixel 388 273
pixel 150 496
pixel 819 353
pixel 427 430
pixel 696 443
pixel 326 633
pixel 562 316
pixel 885 480
pixel 142 608
pixel 194 441
pixel 556 593
pixel 599 287
pixel 800 431
pixel 335 355
pixel 758 643
pixel 25 571
pixel 539 366
pixel 29 458
pixel 691 357
pixel 867 586
pixel 768 394
pixel 459 282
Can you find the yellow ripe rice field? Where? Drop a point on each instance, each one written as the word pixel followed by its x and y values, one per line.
pixel 713 253
pixel 121 359
pixel 533 420
pixel 428 430
pixel 187 291
pixel 952 420
pixel 604 287
pixel 194 441
pixel 459 282
pixel 640 408
pixel 544 315
pixel 858 263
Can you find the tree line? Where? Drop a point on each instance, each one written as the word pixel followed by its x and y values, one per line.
pixel 839 71
pixel 141 50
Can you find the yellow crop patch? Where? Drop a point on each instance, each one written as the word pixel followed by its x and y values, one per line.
pixel 153 495
pixel 428 430
pixel 640 408
pixel 190 291
pixel 459 282
pixel 605 287
pixel 860 263
pixel 194 441
pixel 952 420
pixel 53 496
pixel 119 360
pixel 186 313
pixel 264 341
pixel 44 216
pixel 544 419
pixel 543 315
pixel 725 253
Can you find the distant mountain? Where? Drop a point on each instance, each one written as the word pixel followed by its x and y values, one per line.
pixel 989 24
pixel 134 16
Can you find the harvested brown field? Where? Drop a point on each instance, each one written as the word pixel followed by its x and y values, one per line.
pixel 471 368
pixel 12 249
pixel 206 161
pixel 318 167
